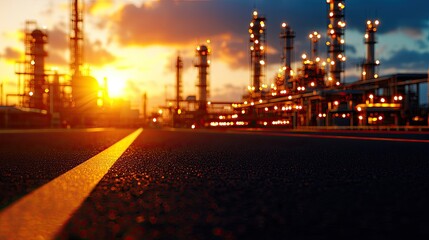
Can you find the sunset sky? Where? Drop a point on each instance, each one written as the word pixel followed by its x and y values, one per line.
pixel 134 43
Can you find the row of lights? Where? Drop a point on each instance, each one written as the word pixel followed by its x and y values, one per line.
pixel 228 124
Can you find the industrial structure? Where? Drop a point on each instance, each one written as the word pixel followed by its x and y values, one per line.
pixel 46 98
pixel 257 31
pixel 315 94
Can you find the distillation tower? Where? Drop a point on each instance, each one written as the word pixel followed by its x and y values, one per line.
pixel 202 64
pixel 76 38
pixel 370 63
pixel 336 41
pixel 179 67
pixel 37 84
pixel 32 70
pixel 287 35
pixel 314 38
pixel 257 33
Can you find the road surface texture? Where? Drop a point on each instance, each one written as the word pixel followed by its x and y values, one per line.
pixel 174 184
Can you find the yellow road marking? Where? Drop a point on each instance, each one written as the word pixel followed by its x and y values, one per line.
pixel 42 213
pixel 52 130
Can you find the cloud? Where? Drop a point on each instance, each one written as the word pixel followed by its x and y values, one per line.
pixel 95 7
pixel 11 54
pixel 185 23
pixel 96 55
pixel 408 60
pixel 228 92
pixel 58 39
pixel 176 22
pixel 56 59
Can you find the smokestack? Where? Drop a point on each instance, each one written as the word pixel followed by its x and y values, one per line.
pixel 314 37
pixel 257 50
pixel 37 84
pixel 202 65
pixel 370 41
pixel 336 43
pixel 179 67
pixel 288 35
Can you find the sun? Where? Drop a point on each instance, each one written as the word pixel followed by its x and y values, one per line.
pixel 116 83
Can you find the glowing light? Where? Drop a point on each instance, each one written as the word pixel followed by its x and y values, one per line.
pixel 377 62
pixel 262 62
pixel 31 94
pixel 400 98
pixel 243 111
pixel 32 62
pixel 46 90
pixel 360 117
pixel 193 126
pixel 304 56
pixel 255 13
pixel 371 96
pixel 154 120
pixel 179 111
pixel 312 84
pixel 284 25
pixel 382 100
pixel 380 118
pixel 160 111
pixel 336 103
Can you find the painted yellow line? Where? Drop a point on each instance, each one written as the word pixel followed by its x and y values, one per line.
pixel 42 213
pixel 52 130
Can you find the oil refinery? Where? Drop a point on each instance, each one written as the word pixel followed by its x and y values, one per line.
pixel 313 95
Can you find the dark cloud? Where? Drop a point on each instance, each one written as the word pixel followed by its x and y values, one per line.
pixel 227 92
pixel 407 60
pixel 58 38
pixel 56 59
pixel 172 22
pixel 97 55
pixel 11 54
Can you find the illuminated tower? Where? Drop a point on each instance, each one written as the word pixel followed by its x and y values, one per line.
pixel 257 50
pixel 37 85
pixel 370 41
pixel 287 35
pixel 76 38
pixel 314 37
pixel 336 41
pixel 202 65
pixel 179 67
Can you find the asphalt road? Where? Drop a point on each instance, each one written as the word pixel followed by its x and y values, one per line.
pixel 229 185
